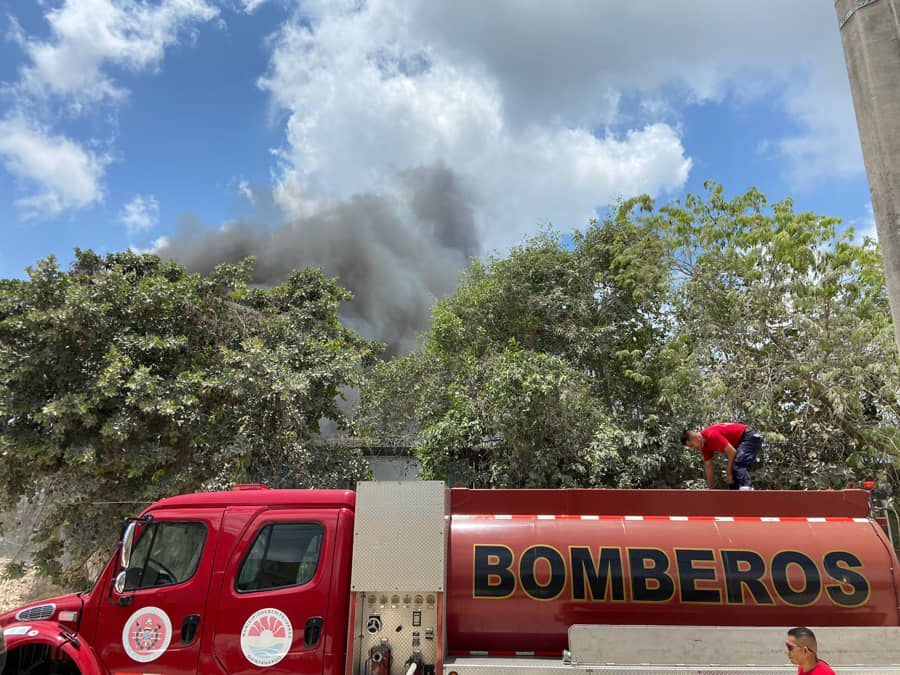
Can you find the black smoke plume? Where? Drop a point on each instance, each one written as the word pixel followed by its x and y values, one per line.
pixel 398 251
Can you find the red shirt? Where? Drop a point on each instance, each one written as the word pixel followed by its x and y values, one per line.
pixel 718 436
pixel 821 668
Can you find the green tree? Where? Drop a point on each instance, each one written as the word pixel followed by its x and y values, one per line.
pixel 540 371
pixel 652 319
pixel 787 325
pixel 528 414
pixel 127 379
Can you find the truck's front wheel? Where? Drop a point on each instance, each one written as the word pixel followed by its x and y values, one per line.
pixel 39 660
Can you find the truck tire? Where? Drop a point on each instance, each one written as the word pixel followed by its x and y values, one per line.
pixel 37 660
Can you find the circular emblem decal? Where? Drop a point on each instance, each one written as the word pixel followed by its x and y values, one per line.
pixel 266 637
pixel 147 634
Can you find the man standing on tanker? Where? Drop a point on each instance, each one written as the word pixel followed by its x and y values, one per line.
pixel 738 442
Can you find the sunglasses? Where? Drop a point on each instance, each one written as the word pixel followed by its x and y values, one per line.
pixel 791 647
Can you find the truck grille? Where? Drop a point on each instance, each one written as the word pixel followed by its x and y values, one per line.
pixel 36 613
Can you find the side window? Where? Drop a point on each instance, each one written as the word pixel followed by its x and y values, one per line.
pixel 167 553
pixel 283 554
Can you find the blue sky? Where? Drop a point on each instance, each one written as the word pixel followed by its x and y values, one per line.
pixel 191 130
pixel 402 134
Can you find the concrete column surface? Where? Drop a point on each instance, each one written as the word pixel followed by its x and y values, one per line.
pixel 870 33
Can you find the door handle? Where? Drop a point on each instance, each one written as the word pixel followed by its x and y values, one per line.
pixel 313 631
pixel 189 628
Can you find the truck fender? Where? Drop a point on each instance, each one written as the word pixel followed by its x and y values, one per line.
pixel 22 633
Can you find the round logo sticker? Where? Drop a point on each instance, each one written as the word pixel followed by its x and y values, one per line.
pixel 266 637
pixel 147 634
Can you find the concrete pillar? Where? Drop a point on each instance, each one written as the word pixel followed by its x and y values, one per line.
pixel 870 32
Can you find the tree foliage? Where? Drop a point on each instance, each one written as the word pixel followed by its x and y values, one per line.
pixel 787 323
pixel 126 379
pixel 578 362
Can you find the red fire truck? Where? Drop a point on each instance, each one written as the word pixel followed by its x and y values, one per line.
pixel 413 578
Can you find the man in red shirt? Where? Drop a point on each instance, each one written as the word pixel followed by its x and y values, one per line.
pixel 802 650
pixel 738 442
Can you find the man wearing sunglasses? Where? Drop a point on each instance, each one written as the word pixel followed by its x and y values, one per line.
pixel 802 651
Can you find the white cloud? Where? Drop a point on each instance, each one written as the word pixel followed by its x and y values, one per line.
pixel 140 214
pixel 15 33
pixel 88 36
pixel 68 73
pixel 553 61
pixel 251 6
pixel 59 173
pixel 827 143
pixel 864 226
pixel 246 191
pixel 570 64
pixel 368 99
pixel 524 101
pixel 158 243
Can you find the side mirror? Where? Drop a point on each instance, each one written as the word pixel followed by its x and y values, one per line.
pixel 127 546
pixel 119 584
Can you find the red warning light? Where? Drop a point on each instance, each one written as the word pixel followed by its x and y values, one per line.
pixel 869 485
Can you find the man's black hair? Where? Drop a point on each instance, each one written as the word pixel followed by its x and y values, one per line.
pixel 801 632
pixel 685 435
pixel 805 637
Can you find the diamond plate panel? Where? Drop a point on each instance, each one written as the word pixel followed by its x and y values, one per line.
pixel 486 666
pixel 400 536
pixel 510 666
pixel 702 646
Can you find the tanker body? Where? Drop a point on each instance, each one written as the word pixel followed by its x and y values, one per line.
pixel 524 566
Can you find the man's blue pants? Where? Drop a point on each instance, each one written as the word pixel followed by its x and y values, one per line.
pixel 747 449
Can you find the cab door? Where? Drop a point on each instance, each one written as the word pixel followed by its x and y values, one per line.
pixel 154 624
pixel 273 614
